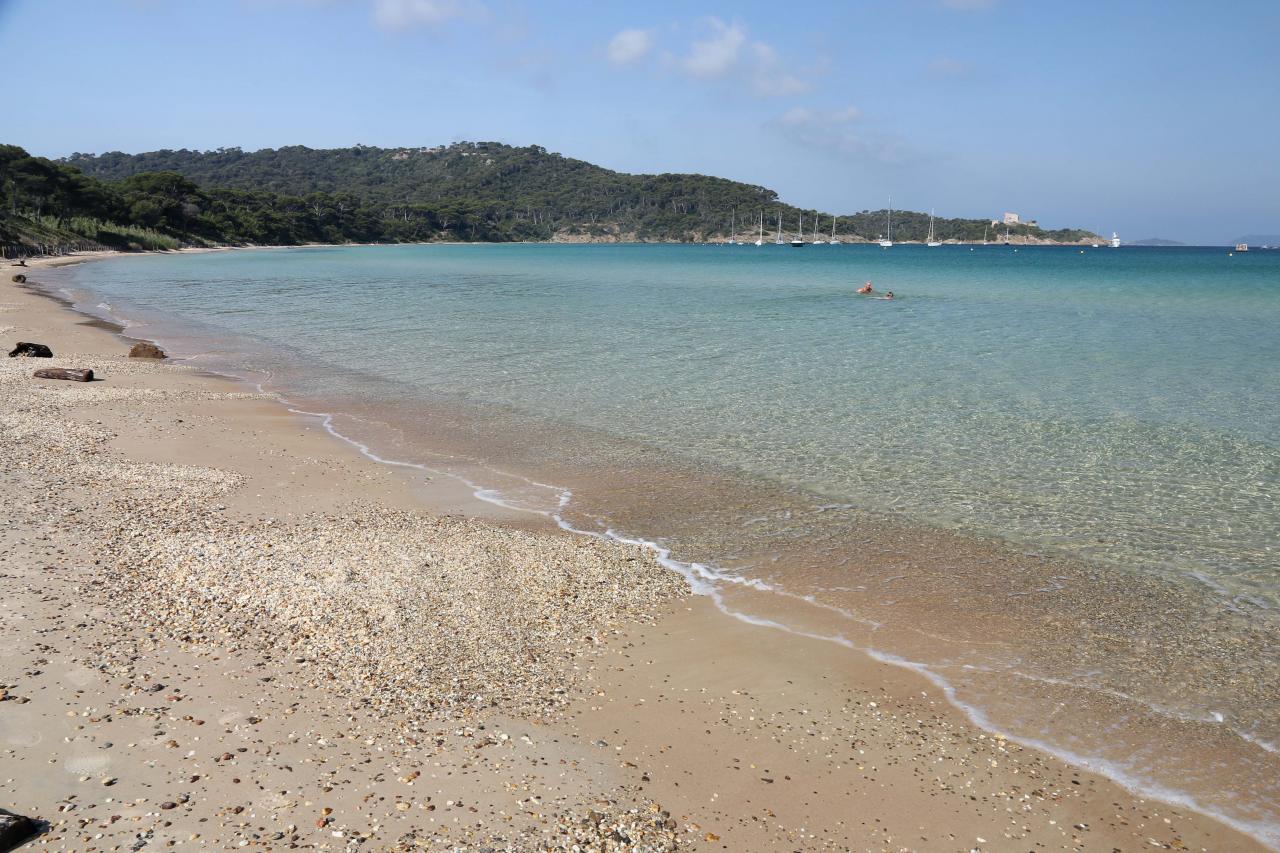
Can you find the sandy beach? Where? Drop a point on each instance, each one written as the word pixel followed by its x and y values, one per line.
pixel 224 628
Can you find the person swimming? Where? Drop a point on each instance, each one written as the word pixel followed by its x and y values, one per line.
pixel 865 289
pixel 888 294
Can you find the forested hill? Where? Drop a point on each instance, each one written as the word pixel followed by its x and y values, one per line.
pixel 504 192
pixel 528 178
pixel 500 192
pixel 466 191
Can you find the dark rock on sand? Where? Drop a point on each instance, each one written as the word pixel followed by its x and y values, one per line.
pixel 70 373
pixel 20 278
pixel 15 829
pixel 29 350
pixel 142 349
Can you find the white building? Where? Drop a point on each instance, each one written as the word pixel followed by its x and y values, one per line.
pixel 1013 219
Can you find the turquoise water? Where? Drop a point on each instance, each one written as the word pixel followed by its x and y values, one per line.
pixel 1118 410
pixel 1123 403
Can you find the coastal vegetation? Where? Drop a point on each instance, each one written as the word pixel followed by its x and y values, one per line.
pixel 482 191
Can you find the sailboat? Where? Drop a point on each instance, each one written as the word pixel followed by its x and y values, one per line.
pixel 985 229
pixel 932 241
pixel 732 225
pixel 798 242
pixel 887 242
pixel 816 241
pixel 779 241
pixel 760 239
pixel 833 241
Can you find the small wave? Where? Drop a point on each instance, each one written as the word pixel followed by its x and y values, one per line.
pixel 1265 832
pixel 1266 745
pixel 1211 717
pixel 705 580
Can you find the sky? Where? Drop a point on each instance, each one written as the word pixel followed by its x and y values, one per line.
pixel 1151 119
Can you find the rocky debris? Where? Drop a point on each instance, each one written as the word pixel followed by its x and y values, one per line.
pixel 604 827
pixel 401 611
pixel 612 828
pixel 145 349
pixel 73 374
pixel 30 350
pixel 15 829
pixel 20 279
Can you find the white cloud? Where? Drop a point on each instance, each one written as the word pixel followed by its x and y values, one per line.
pixel 842 132
pixel 726 52
pixel 768 77
pixel 717 54
pixel 630 46
pixel 403 14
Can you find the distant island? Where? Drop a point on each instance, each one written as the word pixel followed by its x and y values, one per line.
pixel 1156 241
pixel 468 191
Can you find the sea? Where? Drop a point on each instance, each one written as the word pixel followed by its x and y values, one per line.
pixel 1045 478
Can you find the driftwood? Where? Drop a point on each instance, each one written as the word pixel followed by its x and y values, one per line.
pixel 142 349
pixel 73 374
pixel 25 349
pixel 20 278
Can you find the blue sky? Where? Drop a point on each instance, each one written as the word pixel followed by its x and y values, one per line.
pixel 1148 118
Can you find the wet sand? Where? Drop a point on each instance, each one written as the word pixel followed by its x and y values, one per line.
pixel 489 681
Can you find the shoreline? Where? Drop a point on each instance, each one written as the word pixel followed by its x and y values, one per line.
pixel 565 240
pixel 742 649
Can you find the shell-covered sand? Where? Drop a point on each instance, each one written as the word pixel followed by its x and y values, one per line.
pixel 412 619
pixel 410 612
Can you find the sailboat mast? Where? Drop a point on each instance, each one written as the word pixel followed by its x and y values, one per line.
pixel 888 221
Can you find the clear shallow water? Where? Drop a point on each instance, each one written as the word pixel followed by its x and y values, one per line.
pixel 1123 404
pixel 1119 410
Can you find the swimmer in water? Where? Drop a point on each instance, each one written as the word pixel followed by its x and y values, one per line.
pixel 888 295
pixel 865 289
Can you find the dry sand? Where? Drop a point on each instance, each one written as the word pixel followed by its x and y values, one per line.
pixel 222 628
